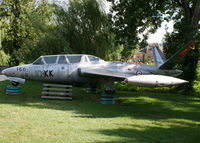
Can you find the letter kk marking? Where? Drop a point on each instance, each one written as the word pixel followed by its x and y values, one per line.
pixel 51 73
pixel 48 73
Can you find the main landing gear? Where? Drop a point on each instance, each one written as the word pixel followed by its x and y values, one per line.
pixel 108 96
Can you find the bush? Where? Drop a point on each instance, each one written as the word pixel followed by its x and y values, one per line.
pixel 123 86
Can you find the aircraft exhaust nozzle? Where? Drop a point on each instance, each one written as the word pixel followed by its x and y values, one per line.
pixel 154 80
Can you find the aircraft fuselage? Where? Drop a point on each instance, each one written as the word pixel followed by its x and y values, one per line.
pixel 63 73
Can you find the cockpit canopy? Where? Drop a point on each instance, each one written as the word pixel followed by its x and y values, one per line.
pixel 66 59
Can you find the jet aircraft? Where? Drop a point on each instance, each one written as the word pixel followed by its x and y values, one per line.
pixel 65 68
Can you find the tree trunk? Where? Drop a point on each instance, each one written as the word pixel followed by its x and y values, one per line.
pixel 191 60
pixel 192 16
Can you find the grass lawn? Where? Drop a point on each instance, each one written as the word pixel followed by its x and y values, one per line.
pixel 137 117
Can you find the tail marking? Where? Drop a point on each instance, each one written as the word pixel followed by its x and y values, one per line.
pixel 187 49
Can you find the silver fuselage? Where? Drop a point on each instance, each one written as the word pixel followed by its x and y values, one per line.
pixel 64 73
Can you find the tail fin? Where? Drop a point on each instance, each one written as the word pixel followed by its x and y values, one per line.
pixel 159 58
pixel 176 58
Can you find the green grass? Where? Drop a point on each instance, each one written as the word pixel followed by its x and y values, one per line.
pixel 137 117
pixel 197 81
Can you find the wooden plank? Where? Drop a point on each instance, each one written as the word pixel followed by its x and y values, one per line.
pixel 57 89
pixel 56 97
pixel 56 93
pixel 57 85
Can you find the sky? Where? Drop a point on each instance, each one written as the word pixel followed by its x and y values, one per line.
pixel 157 37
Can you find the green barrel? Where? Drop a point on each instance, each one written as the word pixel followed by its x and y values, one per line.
pixel 107 102
pixel 11 87
pixel 92 90
pixel 108 98
pixel 13 90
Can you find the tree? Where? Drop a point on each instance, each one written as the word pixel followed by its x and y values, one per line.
pixel 86 28
pixel 186 29
pixel 133 17
pixel 22 18
pixel 16 30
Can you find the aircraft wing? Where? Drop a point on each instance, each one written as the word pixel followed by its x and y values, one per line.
pixel 103 73
pixel 139 80
pixel 176 58
pixel 15 79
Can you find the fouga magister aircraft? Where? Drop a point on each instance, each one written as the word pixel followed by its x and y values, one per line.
pixel 87 68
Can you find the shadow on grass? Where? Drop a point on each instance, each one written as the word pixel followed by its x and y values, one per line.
pixel 138 105
pixel 152 106
pixel 174 134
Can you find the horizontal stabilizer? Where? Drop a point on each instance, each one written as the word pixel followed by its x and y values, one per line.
pixel 176 58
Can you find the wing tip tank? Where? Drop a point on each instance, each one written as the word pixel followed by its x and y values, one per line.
pixel 154 80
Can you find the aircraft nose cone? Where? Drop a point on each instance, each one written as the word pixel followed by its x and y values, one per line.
pixel 3 72
pixel 8 72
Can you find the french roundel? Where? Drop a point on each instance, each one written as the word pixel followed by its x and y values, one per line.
pixel 138 72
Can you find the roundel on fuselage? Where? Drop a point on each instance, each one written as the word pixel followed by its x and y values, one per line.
pixel 138 72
